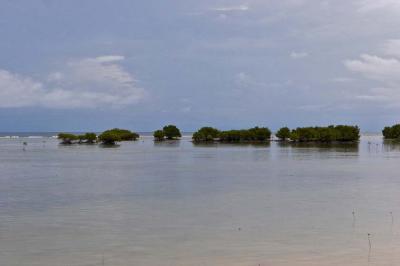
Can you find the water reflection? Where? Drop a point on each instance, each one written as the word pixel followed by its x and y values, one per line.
pixel 227 145
pixel 391 145
pixel 322 147
pixel 167 143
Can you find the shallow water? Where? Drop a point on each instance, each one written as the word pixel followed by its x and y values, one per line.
pixel 179 204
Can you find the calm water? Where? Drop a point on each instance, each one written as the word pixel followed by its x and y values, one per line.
pixel 179 204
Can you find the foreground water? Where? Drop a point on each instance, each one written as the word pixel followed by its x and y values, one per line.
pixel 178 204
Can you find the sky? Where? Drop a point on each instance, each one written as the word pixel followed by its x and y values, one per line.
pixel 95 64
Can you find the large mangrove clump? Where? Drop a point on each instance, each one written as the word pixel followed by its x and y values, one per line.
pixel 339 133
pixel 256 134
pixel 114 135
pixel 392 132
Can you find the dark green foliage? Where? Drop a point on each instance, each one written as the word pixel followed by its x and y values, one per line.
pixel 114 135
pixel 340 133
pixel 159 135
pixel 347 133
pixel 67 138
pixel 258 134
pixel 171 132
pixel 255 134
pixel 283 133
pixel 109 137
pixel 206 134
pixel 392 132
pixel 87 138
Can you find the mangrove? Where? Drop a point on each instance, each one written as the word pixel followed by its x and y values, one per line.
pixel 339 133
pixel 256 134
pixel 392 132
pixel 111 136
pixel 169 132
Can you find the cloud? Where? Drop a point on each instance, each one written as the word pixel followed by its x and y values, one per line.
pixel 231 8
pixel 385 71
pixel 342 79
pixel 371 5
pixel 85 83
pixel 19 91
pixel 109 58
pixel 377 68
pixel 392 47
pixel 298 55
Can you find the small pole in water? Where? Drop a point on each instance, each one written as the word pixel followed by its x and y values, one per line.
pixel 354 219
pixel 391 214
pixel 102 260
pixel 369 250
pixel 24 145
pixel 369 241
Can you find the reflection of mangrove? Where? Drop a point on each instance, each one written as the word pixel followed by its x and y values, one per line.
pixel 108 137
pixel 392 132
pixel 216 144
pixel 169 132
pixel 251 136
pixel 391 145
pixel 339 133
pixel 322 146
pixel 167 143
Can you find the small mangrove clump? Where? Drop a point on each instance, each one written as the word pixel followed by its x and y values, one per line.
pixel 339 133
pixel 256 134
pixel 392 132
pixel 111 136
pixel 68 138
pixel 168 132
pixel 159 135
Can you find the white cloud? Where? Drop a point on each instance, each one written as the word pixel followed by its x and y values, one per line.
pixel 386 71
pixel 298 55
pixel 19 91
pixel 371 5
pixel 85 83
pixel 231 8
pixel 374 67
pixel 109 58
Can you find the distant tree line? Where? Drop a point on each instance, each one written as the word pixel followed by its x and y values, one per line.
pixel 339 133
pixel 109 137
pixel 392 132
pixel 255 134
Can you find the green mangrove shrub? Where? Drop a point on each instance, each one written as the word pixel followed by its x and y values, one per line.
pixel 88 138
pixel 67 138
pixel 340 133
pixel 159 135
pixel 115 135
pixel 392 132
pixel 169 132
pixel 283 133
pixel 206 134
pixel 256 134
pixel 172 132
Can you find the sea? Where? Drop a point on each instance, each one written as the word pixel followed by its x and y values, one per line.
pixel 180 203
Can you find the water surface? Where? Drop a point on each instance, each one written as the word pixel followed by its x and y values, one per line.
pixel 175 203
